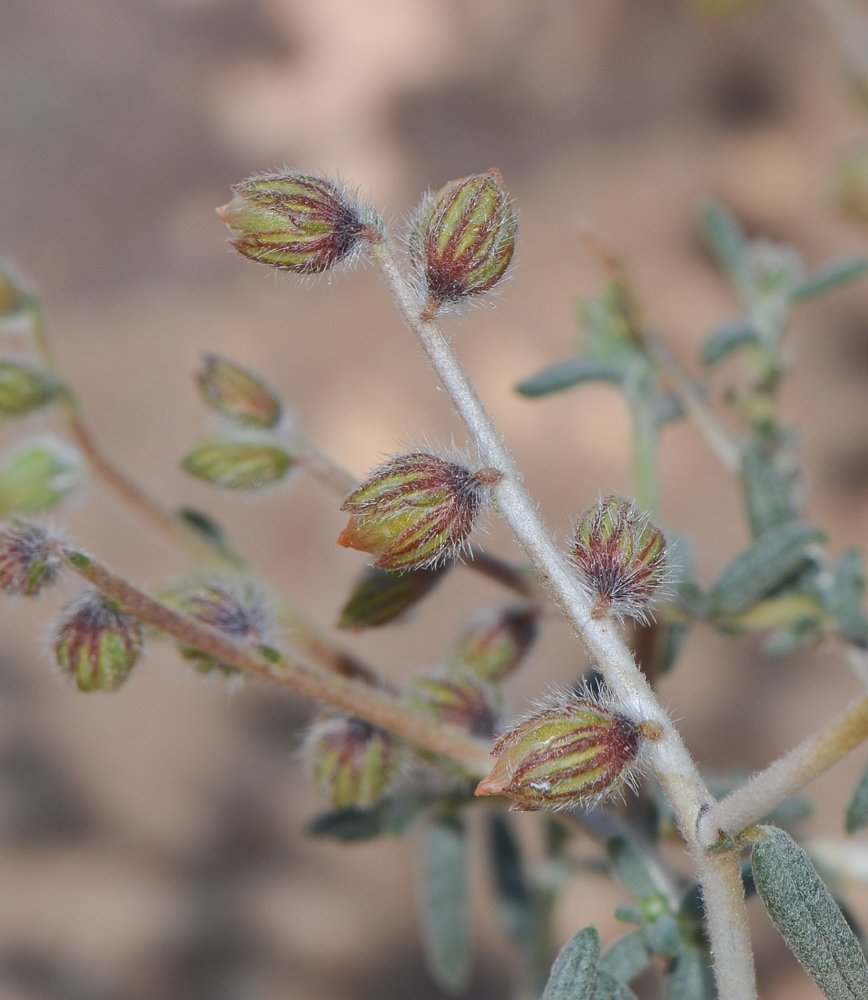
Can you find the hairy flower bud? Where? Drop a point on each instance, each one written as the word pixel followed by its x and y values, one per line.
pixel 24 388
pixel 96 643
pixel 37 474
pixel 237 394
pixel 29 558
pixel 415 510
pixel 351 762
pixel 241 460
pixel 295 222
pixel 495 641
pixel 577 751
pixel 460 701
pixel 235 606
pixel 463 238
pixel 621 558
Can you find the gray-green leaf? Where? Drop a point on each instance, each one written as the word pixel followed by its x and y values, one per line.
pixel 627 957
pixel 725 339
pixel 566 374
pixel 856 815
pixel 768 487
pixel 728 244
pixel 688 976
pixel 574 973
pixel 445 911
pixel 825 279
pixel 807 917
pixel 610 988
pixel 514 897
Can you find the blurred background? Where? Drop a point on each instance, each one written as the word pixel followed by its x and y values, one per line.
pixel 151 842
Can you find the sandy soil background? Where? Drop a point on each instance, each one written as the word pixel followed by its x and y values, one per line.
pixel 151 842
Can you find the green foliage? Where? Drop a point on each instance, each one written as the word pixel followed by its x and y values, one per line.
pixel 445 904
pixel 627 957
pixel 727 338
pixel 566 374
pixel 514 895
pixel 856 814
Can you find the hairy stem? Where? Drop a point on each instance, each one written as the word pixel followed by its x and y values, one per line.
pixel 369 703
pixel 786 776
pixel 668 755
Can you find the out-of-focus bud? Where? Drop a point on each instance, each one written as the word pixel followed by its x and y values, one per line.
pixel 37 474
pixel 463 239
pixel 621 558
pixel 24 388
pixel 12 290
pixel 351 762
pixel 242 460
pixel 850 187
pixel 459 701
pixel 494 641
pixel 96 643
pixel 576 752
pixel 237 394
pixel 295 222
pixel 235 606
pixel 415 510
pixel 381 597
pixel 29 558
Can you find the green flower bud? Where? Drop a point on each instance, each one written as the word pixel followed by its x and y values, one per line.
pixel 415 510
pixel 460 701
pixel 96 643
pixel 621 558
pixel 29 558
pixel 24 388
pixel 463 239
pixel 235 606
pixel 241 460
pixel 576 752
pixel 850 187
pixel 495 641
pixel 381 597
pixel 37 474
pixel 295 222
pixel 351 762
pixel 237 394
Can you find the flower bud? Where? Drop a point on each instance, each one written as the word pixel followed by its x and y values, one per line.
pixel 415 510
pixel 237 394
pixel 351 762
pixel 382 598
pixel 12 290
pixel 295 222
pixel 463 238
pixel 29 558
pixel 96 643
pixel 37 474
pixel 575 752
pixel 24 388
pixel 234 606
pixel 850 187
pixel 460 701
pixel 242 460
pixel 621 558
pixel 495 641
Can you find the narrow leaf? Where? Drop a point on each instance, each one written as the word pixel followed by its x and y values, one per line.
pixel 515 901
pixel 727 241
pixel 688 976
pixel 768 488
pixel 753 574
pixel 807 917
pixel 627 957
pixel 610 988
pixel 574 973
pixel 566 374
pixel 632 869
pixel 856 815
pixel 834 275
pixel 390 816
pixel 381 597
pixel 725 339
pixel 445 911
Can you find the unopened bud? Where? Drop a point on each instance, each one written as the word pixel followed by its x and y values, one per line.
pixel 460 701
pixel 415 510
pixel 295 222
pixel 621 558
pixel 242 460
pixel 381 597
pixel 29 558
pixel 234 606
pixel 237 394
pixel 351 762
pixel 11 290
pixel 576 752
pixel 463 238
pixel 38 474
pixel 495 641
pixel 24 388
pixel 96 643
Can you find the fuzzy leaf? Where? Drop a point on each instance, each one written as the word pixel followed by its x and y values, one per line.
pixel 807 917
pixel 627 957
pixel 725 339
pixel 566 374
pixel 767 486
pixel 445 909
pixel 753 574
pixel 389 816
pixel 831 276
pixel 515 901
pixel 856 815
pixel 574 973
pixel 610 988
pixel 632 869
pixel 727 241
pixel 687 977
pixel 381 596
